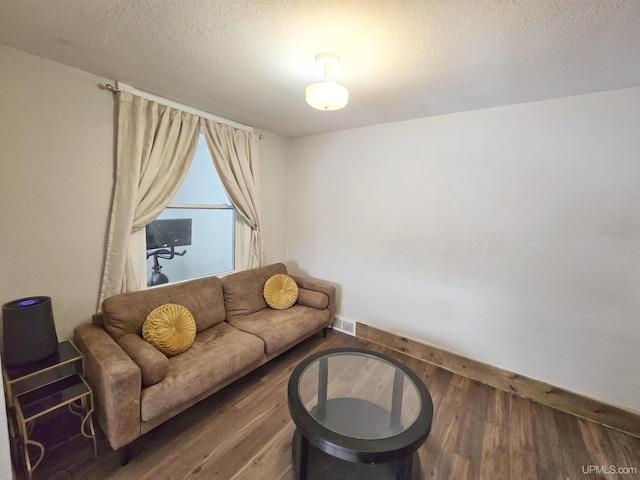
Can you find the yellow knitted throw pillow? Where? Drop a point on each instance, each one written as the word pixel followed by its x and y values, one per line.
pixel 280 291
pixel 170 328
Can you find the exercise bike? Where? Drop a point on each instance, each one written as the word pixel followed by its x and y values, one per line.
pixel 157 277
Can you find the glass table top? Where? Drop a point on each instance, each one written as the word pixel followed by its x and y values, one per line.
pixel 359 395
pixel 67 352
pixel 49 397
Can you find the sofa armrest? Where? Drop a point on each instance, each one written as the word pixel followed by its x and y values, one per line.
pixel 116 382
pixel 315 285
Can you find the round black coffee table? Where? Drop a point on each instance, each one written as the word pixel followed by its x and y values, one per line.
pixel 359 414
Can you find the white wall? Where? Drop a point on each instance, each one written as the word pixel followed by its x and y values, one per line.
pixel 509 235
pixel 56 144
pixel 274 156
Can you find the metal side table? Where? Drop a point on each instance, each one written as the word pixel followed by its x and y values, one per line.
pixel 40 389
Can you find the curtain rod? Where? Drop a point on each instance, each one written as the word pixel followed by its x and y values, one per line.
pixel 122 87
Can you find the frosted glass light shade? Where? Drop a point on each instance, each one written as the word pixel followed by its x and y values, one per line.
pixel 327 96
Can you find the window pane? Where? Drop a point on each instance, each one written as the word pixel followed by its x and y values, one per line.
pixel 202 185
pixel 211 249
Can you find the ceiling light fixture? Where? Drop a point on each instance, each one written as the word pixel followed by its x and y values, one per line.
pixel 327 95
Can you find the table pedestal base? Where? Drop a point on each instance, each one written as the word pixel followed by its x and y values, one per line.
pixel 322 466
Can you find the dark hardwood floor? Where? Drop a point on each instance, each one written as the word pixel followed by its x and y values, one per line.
pixel 244 433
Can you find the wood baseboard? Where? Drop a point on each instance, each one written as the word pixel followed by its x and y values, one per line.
pixel 619 418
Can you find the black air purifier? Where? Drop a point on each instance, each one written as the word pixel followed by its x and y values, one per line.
pixel 28 329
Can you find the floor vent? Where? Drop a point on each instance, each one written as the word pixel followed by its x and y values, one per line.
pixel 345 326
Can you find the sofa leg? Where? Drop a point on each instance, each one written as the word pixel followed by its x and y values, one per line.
pixel 324 332
pixel 124 455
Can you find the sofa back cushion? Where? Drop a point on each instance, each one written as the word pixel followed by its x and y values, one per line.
pixel 243 291
pixel 125 313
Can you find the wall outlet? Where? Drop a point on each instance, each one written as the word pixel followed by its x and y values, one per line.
pixel 345 326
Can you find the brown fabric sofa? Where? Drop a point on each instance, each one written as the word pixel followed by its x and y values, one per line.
pixel 236 332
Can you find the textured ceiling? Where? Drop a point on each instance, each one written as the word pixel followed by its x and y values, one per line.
pixel 250 61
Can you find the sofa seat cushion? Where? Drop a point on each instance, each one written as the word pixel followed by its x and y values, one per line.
pixel 216 354
pixel 280 329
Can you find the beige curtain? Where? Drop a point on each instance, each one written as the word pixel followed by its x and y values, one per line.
pixel 155 148
pixel 235 155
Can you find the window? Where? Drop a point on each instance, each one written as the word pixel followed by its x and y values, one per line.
pixel 210 249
